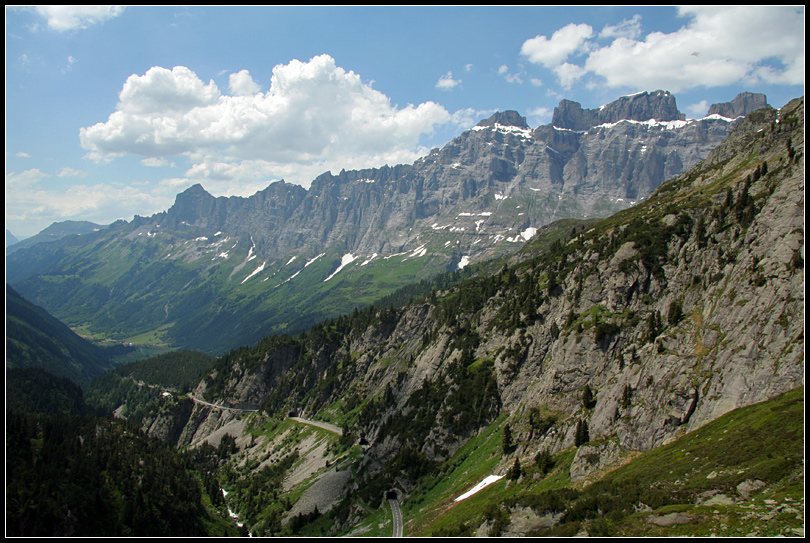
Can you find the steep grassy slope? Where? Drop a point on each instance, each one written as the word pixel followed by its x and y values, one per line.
pixel 741 474
pixel 35 339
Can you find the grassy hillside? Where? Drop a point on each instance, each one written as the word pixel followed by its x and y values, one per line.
pixel 694 486
pixel 35 339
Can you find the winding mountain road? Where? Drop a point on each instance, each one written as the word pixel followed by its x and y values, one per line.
pixel 203 402
pixel 323 425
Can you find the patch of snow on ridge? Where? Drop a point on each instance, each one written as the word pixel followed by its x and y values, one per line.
pixel 347 259
pixel 463 262
pixel 528 233
pixel 666 125
pixel 504 129
pixel 258 270
pixel 480 486
pixel 313 260
pixel 419 251
pixel 369 259
pixel 718 117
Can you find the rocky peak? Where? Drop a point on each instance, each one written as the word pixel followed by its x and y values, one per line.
pixel 742 105
pixel 506 118
pixel 659 105
pixel 191 204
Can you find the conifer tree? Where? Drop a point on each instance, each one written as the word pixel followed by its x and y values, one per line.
pixel 587 397
pixel 507 439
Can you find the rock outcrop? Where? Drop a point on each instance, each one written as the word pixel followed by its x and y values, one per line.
pixel 659 105
pixel 742 105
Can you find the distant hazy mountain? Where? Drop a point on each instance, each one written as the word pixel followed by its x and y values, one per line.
pixel 10 239
pixel 54 232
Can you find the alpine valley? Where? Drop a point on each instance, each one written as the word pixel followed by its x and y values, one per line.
pixel 601 318
pixel 216 273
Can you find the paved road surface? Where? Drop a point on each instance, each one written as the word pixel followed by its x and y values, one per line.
pixel 197 400
pixel 397 517
pixel 324 425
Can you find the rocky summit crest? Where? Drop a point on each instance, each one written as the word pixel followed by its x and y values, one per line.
pixel 742 105
pixel 505 118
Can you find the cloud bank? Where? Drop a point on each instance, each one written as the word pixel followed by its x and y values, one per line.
pixel 719 46
pixel 313 113
pixel 64 18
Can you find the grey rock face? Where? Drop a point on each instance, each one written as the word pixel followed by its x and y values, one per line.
pixel 659 105
pixel 742 105
pixel 571 168
pixel 506 118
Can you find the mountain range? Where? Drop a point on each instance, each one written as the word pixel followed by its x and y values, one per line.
pixel 216 273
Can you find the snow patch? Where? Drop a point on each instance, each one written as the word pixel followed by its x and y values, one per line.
pixel 314 259
pixel 257 270
pixel 480 486
pixel 347 259
pixel 463 262
pixel 528 233
pixel 504 129
pixel 369 259
pixel 651 123
pixel 418 252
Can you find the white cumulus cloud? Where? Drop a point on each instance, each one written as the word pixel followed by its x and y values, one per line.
pixel 551 52
pixel 629 28
pixel 719 45
pixel 241 84
pixel 446 82
pixel 314 113
pixel 64 18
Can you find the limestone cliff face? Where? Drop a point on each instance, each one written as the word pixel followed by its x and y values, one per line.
pixel 585 163
pixel 673 313
pixel 659 105
pixel 742 105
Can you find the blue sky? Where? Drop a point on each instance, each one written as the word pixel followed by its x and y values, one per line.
pixel 111 111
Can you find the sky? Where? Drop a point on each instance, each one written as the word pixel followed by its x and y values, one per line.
pixel 111 111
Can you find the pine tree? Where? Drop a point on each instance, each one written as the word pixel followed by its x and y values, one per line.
pixel 582 435
pixel 587 397
pixel 544 461
pixel 507 439
pixel 515 472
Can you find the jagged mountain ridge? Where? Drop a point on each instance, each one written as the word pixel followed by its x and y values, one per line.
pixel 674 312
pixel 214 273
pixel 346 206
